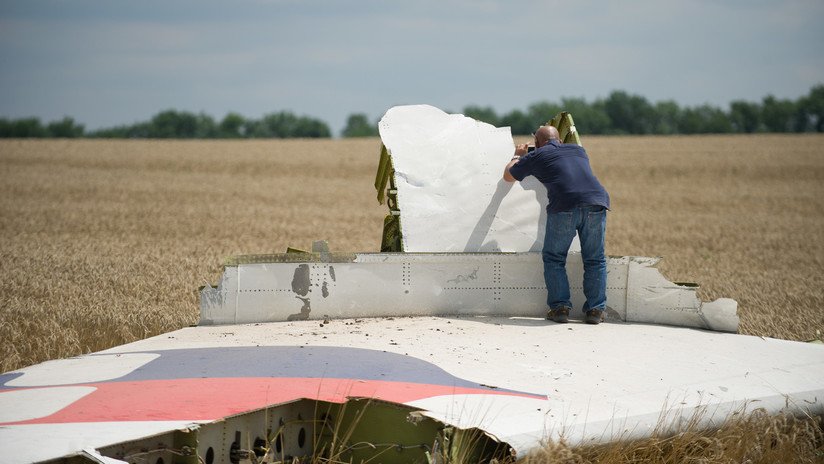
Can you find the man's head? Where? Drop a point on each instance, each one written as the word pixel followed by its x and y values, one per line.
pixel 544 134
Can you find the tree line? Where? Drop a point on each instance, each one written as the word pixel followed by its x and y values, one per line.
pixel 172 124
pixel 624 113
pixel 618 113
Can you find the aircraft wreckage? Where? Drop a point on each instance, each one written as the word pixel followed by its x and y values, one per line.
pixel 433 350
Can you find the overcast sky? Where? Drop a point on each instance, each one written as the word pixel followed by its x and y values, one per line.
pixel 111 62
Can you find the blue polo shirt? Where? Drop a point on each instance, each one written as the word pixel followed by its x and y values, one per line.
pixel 565 171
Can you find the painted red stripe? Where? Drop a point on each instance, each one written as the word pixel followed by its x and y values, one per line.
pixel 214 398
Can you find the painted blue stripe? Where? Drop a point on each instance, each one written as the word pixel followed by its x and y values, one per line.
pixel 290 361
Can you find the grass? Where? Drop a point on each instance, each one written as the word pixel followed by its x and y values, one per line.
pixel 105 242
pixel 756 438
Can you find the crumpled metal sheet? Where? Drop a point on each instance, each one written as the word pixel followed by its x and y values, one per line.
pixel 451 192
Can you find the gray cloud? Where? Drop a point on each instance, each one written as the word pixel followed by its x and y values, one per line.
pixel 109 63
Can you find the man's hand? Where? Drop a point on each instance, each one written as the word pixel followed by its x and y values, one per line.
pixel 520 150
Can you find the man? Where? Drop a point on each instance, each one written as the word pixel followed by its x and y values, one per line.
pixel 577 202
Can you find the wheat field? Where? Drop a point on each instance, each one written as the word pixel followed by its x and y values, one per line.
pixel 106 242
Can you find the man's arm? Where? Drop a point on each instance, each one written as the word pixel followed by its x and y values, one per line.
pixel 520 151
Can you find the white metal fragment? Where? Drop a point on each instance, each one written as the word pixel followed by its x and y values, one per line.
pixel 448 173
pixel 418 284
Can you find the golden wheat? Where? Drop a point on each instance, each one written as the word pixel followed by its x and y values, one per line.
pixel 755 438
pixel 105 242
pixel 742 216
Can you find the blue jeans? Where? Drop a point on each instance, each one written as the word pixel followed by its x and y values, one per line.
pixel 590 222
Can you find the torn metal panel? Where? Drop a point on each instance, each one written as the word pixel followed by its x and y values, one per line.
pixel 415 284
pixel 656 300
pixel 448 174
pixel 223 401
pixel 224 388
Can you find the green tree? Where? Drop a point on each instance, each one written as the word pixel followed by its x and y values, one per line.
pixel 691 122
pixel 5 128
pixel 173 124
pixel 312 128
pixel 482 113
pixel 540 113
pixel 286 125
pixel 719 121
pixel 275 125
pixel 205 127
pixel 589 118
pixel 778 115
pixel 667 113
pixel 811 110
pixel 65 128
pixel 138 130
pixel 358 125
pixel 232 126
pixel 629 114
pixel 705 119
pixel 22 128
pixel 745 116
pixel 519 122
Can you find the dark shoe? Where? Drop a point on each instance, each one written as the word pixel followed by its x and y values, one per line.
pixel 559 315
pixel 594 316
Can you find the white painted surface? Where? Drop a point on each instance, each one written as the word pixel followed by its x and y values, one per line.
pixel 40 442
pixel 601 382
pixel 414 284
pixel 85 369
pixel 451 193
pixel 39 402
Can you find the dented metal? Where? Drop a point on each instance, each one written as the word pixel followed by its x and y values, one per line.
pixel 470 245
pixel 428 284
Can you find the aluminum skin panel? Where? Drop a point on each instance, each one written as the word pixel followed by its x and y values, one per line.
pixel 522 380
pixel 451 192
pixel 415 284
